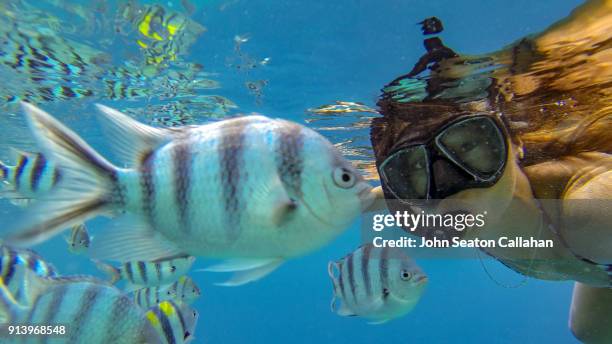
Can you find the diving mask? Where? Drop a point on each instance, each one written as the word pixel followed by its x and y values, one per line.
pixel 469 152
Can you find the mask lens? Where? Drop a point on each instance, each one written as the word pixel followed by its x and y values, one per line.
pixel 406 173
pixel 476 144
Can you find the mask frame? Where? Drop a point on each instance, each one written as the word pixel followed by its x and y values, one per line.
pixel 448 164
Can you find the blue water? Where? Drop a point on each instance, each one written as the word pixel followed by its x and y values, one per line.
pixel 322 51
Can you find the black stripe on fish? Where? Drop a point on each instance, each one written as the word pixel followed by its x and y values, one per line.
pixel 166 326
pixel 57 176
pixel 142 268
pixel 147 296
pixel 117 311
pixel 351 276
pixel 83 314
pixel 147 186
pixel 158 271
pixel 39 166
pixel 128 271
pixel 341 281
pixel 10 268
pixel 182 180
pixel 54 305
pixel 384 271
pixel 32 263
pixel 23 160
pixel 182 321
pixel 4 171
pixel 230 154
pixel 365 268
pixel 289 162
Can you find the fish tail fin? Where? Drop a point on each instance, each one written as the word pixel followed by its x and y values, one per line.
pixel 112 272
pixel 88 188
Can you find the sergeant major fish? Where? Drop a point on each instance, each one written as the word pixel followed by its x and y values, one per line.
pixel 149 273
pixel 184 290
pixel 79 239
pixel 377 283
pixel 13 260
pixel 254 189
pixel 92 312
pixel 174 322
pixel 33 176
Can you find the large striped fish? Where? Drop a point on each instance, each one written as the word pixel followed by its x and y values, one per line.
pixel 91 312
pixel 377 283
pixel 13 260
pixel 184 290
pixel 254 189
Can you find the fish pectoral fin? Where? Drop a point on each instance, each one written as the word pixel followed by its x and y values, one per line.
pixel 273 206
pixel 130 139
pixel 131 239
pixel 245 271
pixel 378 322
pixel 345 312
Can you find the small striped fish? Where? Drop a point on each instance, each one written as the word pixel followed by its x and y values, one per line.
pixel 249 188
pixel 33 176
pixel 79 240
pixel 92 312
pixel 183 291
pixel 377 283
pixel 10 262
pixel 175 323
pixel 150 273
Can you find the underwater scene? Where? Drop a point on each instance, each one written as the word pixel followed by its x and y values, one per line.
pixel 232 171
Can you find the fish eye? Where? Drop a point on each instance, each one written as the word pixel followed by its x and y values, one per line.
pixel 173 268
pixel 344 178
pixel 406 275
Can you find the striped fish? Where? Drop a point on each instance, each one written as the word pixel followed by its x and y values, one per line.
pixel 150 273
pixel 377 283
pixel 91 312
pixel 174 323
pixel 33 176
pixel 184 290
pixel 252 189
pixel 10 262
pixel 79 240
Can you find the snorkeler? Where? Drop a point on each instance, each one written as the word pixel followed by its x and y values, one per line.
pixel 525 132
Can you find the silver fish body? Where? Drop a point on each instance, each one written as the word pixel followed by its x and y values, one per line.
pixel 184 290
pixel 150 273
pixel 79 239
pixel 91 312
pixel 250 187
pixel 14 260
pixel 32 177
pixel 376 283
pixel 174 322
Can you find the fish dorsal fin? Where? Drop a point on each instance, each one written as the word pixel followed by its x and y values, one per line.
pixel 245 270
pixel 131 239
pixel 130 139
